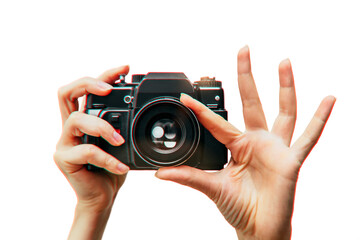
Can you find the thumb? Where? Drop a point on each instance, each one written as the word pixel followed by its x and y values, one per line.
pixel 110 76
pixel 195 178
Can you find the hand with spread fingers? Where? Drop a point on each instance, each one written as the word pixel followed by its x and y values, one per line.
pixel 95 191
pixel 256 191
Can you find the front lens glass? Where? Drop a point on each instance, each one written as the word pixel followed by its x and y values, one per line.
pixel 165 135
pixel 165 132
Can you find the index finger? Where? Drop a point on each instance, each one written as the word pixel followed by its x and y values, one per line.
pixel 221 129
pixel 69 94
pixel 111 75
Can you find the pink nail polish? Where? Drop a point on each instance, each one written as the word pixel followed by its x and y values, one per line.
pixel 118 138
pixel 104 85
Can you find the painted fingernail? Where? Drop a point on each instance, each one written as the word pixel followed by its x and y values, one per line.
pixel 104 85
pixel 118 138
pixel 122 168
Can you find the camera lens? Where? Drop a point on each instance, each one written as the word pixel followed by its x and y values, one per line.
pixel 165 135
pixel 165 132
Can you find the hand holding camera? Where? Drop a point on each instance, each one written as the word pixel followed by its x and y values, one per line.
pixel 255 192
pixel 158 129
pixel 95 191
pixel 163 129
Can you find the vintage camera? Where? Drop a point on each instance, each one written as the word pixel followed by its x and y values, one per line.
pixel 158 129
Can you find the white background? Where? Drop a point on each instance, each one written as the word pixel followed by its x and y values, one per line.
pixel 47 44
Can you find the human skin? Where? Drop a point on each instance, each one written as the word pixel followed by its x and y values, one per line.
pixel 95 191
pixel 255 192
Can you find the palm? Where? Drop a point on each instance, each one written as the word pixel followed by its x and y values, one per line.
pixel 255 192
pixel 260 180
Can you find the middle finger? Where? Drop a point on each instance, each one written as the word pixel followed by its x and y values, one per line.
pixel 80 123
pixel 254 116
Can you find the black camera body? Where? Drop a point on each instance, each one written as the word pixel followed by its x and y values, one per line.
pixel 158 129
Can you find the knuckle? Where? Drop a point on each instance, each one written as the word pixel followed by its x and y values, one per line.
pixel 108 161
pixel 56 157
pixel 187 178
pixel 252 103
pixel 85 81
pixel 59 144
pixel 66 90
pixel 62 92
pixel 89 152
pixel 75 118
pixel 105 128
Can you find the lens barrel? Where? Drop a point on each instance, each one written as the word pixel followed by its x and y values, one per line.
pixel 165 132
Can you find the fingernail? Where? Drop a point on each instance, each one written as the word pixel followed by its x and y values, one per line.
pixel 184 95
pixel 104 85
pixel 122 168
pixel 118 138
pixel 286 61
pixel 245 48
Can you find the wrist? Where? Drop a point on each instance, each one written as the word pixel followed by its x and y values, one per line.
pixel 89 222
pixel 94 206
pixel 85 208
pixel 242 236
pixel 283 234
